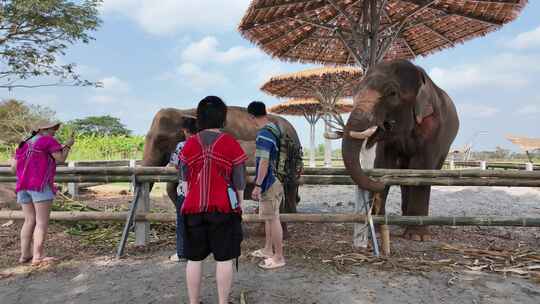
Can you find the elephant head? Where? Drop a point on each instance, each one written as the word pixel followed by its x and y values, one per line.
pixel 163 136
pixel 390 104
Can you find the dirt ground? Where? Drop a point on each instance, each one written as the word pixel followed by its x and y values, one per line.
pixel 460 265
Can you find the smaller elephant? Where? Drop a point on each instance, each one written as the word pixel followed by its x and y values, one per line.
pixel 404 121
pixel 165 133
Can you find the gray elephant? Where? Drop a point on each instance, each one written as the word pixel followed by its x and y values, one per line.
pixel 407 122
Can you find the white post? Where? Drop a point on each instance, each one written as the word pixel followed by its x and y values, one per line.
pixel 142 229
pixel 73 188
pixel 529 166
pixel 312 145
pixel 452 162
pixel 483 165
pixel 327 145
pixel 132 164
pixel 360 233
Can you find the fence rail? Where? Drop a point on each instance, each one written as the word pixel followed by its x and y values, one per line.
pixel 303 218
pixel 467 164
pixel 312 176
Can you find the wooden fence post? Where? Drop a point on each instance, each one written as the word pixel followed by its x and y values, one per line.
pixel 132 164
pixel 142 229
pixel 73 188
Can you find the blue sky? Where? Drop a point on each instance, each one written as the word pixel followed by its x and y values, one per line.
pixel 174 53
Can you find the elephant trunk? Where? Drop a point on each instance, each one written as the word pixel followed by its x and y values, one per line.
pixel 351 148
pixel 360 127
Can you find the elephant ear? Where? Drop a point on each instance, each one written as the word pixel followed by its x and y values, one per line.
pixel 423 106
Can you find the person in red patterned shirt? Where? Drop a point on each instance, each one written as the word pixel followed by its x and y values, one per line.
pixel 213 165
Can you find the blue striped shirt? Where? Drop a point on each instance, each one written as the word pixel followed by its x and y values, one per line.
pixel 267 148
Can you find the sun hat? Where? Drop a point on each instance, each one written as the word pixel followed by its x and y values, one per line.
pixel 46 124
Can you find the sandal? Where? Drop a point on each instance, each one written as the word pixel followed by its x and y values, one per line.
pixel 259 253
pixel 271 264
pixel 44 261
pixel 25 260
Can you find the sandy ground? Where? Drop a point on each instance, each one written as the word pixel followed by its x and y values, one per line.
pixel 155 280
pixel 92 276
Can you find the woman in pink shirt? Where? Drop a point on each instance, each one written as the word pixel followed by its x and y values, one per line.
pixel 35 165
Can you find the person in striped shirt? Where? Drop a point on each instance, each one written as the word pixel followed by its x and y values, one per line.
pixel 268 190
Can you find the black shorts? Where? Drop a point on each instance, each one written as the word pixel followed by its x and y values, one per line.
pixel 217 233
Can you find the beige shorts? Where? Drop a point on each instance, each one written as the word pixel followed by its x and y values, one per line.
pixel 270 201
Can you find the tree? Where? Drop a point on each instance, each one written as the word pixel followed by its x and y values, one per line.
pixel 501 153
pixel 99 125
pixel 34 34
pixel 17 119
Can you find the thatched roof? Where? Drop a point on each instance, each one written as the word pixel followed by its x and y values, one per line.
pixel 309 30
pixel 305 84
pixel 301 106
pixel 526 144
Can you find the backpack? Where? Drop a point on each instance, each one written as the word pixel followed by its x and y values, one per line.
pixel 288 165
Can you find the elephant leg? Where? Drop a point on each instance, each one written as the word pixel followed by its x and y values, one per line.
pixel 288 204
pixel 416 200
pixel 379 202
pixel 404 199
pixel 171 192
pixel 290 198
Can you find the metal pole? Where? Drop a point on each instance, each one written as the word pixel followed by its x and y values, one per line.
pixel 312 145
pixel 327 145
pixel 129 222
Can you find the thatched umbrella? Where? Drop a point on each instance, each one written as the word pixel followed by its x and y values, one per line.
pixel 312 110
pixel 326 85
pixel 364 32
pixel 526 144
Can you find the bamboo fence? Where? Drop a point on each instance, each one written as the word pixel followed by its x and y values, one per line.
pixel 312 176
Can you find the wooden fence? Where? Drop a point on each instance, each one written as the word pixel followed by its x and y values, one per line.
pixel 143 176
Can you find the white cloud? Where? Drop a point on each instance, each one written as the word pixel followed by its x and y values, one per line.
pixel 206 50
pixel 168 16
pixel 114 84
pixel 526 40
pixel 101 99
pixel 504 70
pixel 530 109
pixel 112 91
pixel 194 76
pixel 476 110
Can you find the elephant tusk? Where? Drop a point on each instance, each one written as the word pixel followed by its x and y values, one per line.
pixel 364 134
pixel 333 135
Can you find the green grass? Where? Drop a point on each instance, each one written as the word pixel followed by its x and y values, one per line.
pixel 96 148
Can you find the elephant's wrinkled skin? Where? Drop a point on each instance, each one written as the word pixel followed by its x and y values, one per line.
pixel 412 122
pixel 165 133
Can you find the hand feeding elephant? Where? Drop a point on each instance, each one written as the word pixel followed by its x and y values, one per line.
pixel 409 123
pixel 165 133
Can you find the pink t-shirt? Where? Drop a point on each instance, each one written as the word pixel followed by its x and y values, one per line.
pixel 36 166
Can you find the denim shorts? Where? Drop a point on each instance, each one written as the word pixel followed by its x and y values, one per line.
pixel 28 196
